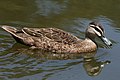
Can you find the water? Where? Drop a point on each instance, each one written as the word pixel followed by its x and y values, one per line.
pixel 18 62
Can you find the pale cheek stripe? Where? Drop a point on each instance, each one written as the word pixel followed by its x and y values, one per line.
pixel 99 29
pixel 92 25
pixel 97 32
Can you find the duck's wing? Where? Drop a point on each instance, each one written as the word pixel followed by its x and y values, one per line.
pixel 18 35
pixel 53 34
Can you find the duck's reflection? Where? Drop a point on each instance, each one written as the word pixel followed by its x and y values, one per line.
pixel 91 64
pixel 93 67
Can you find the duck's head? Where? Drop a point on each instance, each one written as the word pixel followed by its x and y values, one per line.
pixel 95 29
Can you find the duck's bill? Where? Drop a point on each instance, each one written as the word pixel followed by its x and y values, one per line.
pixel 106 41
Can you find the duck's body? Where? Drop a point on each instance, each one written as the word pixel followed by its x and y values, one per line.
pixel 52 39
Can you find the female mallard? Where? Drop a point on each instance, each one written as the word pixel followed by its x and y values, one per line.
pixel 57 40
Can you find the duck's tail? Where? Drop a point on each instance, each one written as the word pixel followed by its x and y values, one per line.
pixel 9 29
pixel 18 35
pixel 13 31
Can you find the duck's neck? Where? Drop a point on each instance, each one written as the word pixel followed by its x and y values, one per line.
pixel 87 45
pixel 90 36
pixel 91 40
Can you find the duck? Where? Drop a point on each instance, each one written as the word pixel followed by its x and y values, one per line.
pixel 57 40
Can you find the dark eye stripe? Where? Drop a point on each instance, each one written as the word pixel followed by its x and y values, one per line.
pixel 98 30
pixel 101 28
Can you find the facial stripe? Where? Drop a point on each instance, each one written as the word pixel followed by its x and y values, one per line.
pixel 97 29
pixel 92 25
pixel 100 29
pixel 97 32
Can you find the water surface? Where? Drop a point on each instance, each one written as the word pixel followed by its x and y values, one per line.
pixel 18 62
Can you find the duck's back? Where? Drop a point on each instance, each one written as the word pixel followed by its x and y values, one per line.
pixel 52 34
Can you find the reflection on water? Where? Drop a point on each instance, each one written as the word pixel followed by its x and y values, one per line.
pixel 47 7
pixel 94 67
pixel 20 61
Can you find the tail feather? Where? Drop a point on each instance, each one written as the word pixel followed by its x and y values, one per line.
pixel 9 29
pixel 13 31
pixel 18 35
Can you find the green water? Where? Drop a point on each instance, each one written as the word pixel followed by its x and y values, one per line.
pixel 18 62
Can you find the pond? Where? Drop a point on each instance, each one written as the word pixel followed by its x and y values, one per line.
pixel 19 62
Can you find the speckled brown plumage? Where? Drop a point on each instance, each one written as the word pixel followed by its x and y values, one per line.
pixel 51 39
